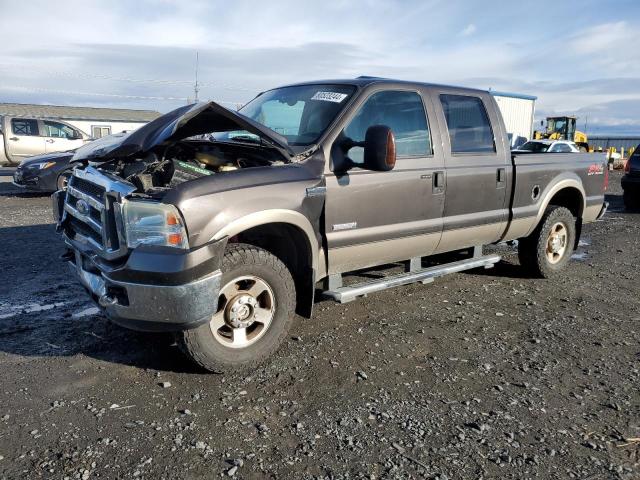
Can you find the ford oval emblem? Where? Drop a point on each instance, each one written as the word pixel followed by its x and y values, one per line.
pixel 82 206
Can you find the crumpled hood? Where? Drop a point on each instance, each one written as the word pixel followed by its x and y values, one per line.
pixel 183 122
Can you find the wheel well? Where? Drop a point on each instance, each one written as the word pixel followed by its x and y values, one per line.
pixel 290 244
pixel 571 199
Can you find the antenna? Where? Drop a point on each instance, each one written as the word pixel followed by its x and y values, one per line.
pixel 195 85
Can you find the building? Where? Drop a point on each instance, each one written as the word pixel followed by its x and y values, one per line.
pixel 95 122
pixel 619 142
pixel 517 111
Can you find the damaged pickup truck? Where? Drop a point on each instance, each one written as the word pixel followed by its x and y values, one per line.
pixel 221 225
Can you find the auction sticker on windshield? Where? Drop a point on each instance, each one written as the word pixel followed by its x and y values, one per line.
pixel 329 96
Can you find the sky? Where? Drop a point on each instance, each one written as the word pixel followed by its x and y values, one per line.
pixel 578 57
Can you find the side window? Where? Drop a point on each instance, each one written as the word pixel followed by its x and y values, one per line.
pixel 58 130
pixel 468 124
pixel 99 131
pixel 403 113
pixel 24 126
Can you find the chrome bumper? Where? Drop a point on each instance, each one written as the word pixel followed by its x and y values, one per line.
pixel 152 307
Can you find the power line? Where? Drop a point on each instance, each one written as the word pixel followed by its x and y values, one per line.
pixel 156 81
pixel 110 95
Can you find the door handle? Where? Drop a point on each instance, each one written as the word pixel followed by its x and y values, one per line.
pixel 438 180
pixel 51 140
pixel 15 139
pixel 501 175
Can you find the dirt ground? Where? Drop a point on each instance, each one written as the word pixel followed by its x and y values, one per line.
pixel 486 374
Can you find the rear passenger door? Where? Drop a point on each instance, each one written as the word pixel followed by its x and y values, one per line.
pixel 24 140
pixel 478 171
pixel 372 218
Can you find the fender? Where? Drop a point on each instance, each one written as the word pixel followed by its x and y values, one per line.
pixel 573 181
pixel 277 215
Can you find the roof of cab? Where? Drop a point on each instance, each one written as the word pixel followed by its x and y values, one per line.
pixel 364 81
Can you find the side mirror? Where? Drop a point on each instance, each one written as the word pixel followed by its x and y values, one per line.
pixel 379 149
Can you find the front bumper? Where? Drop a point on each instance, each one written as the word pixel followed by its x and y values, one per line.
pixel 154 290
pixel 32 180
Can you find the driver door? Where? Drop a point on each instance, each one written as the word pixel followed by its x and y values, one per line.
pixel 373 218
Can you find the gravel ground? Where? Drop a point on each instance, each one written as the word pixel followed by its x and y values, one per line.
pixel 487 374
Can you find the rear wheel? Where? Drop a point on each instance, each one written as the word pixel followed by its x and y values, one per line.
pixel 548 249
pixel 255 311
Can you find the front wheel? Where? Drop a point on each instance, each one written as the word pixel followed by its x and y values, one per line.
pixel 549 247
pixel 63 180
pixel 255 311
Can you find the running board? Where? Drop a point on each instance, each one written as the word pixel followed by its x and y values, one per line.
pixel 426 275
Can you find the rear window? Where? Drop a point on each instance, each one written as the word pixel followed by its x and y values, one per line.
pixel 468 124
pixel 535 147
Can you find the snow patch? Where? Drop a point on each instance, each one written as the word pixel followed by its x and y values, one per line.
pixel 86 312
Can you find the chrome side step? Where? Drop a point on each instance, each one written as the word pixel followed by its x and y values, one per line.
pixel 426 275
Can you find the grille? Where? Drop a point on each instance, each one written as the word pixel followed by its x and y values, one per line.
pixel 91 212
pixel 96 191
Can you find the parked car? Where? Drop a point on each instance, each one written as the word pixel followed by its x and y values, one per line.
pixel 21 138
pixel 44 173
pixel 548 146
pixel 631 181
pixel 223 239
pixel 51 171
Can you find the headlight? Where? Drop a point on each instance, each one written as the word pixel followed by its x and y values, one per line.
pixel 152 223
pixel 42 165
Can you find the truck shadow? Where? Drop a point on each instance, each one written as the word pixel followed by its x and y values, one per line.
pixel 7 189
pixel 44 312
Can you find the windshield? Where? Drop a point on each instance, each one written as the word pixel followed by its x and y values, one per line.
pixel 300 114
pixel 536 147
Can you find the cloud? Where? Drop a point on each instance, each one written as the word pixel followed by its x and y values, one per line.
pixel 142 54
pixel 468 30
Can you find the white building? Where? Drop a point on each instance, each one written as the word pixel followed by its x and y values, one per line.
pixel 95 122
pixel 517 111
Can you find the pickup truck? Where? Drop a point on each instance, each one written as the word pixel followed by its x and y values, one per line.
pixel 22 137
pixel 221 226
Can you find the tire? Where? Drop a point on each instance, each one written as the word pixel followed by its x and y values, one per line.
pixel 62 180
pixel 217 346
pixel 631 200
pixel 536 252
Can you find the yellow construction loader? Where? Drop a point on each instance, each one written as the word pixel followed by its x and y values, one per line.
pixel 563 128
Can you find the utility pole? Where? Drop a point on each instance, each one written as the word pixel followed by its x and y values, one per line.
pixel 586 122
pixel 195 86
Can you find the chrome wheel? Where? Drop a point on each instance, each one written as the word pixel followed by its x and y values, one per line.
pixel 246 307
pixel 557 242
pixel 63 180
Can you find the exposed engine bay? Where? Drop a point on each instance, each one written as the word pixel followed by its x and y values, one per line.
pixel 168 166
